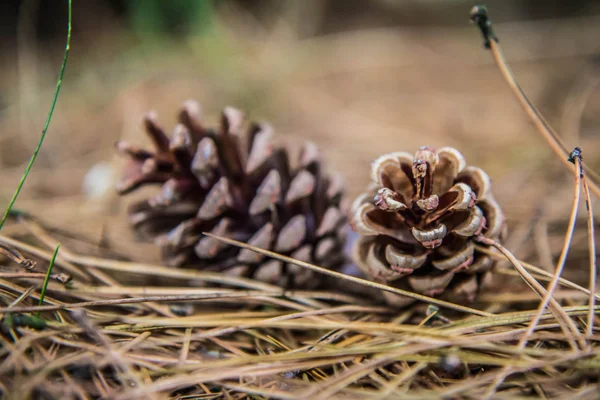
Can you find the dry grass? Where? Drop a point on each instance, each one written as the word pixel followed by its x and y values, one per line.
pixel 115 330
pixel 100 338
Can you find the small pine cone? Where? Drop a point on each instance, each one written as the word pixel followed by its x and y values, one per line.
pixel 417 222
pixel 237 186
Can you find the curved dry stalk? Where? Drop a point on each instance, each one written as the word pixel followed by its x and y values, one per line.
pixel 364 282
pixel 553 283
pixel 479 15
pixel 592 253
pixel 562 258
pixel 566 323
pixel 554 141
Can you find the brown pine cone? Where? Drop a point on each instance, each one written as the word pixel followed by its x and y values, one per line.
pixel 239 186
pixel 417 222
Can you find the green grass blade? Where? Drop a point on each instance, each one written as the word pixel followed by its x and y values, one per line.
pixel 46 125
pixel 47 278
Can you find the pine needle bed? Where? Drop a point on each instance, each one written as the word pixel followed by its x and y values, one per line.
pixel 96 338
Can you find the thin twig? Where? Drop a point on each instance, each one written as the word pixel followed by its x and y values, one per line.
pixel 479 15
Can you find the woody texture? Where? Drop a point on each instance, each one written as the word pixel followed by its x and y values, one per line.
pixel 418 221
pixel 233 181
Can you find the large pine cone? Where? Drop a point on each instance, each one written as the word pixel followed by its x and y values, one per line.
pixel 417 222
pixel 238 186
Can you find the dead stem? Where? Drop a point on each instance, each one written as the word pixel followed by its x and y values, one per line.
pixel 479 15
pixel 557 273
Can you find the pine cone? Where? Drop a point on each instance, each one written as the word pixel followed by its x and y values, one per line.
pixel 417 222
pixel 238 186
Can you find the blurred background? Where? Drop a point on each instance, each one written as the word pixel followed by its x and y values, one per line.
pixel 359 78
